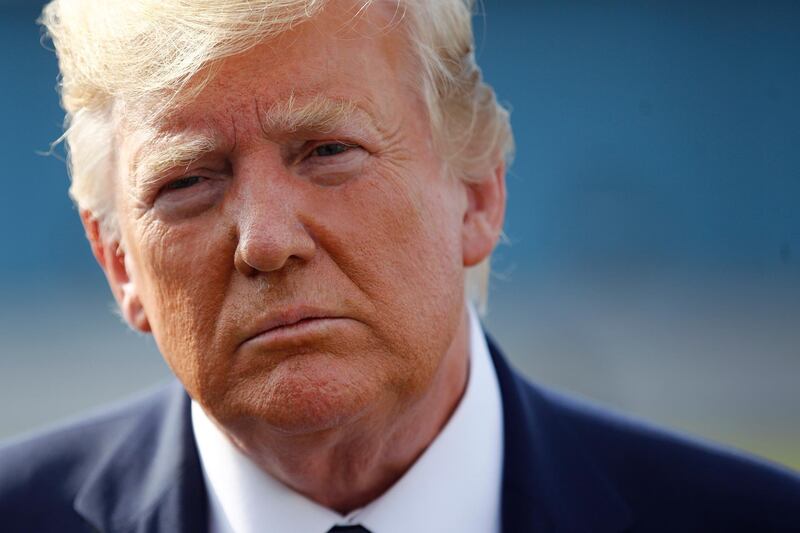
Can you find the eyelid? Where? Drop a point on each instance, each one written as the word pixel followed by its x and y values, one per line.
pixel 350 147
pixel 310 156
pixel 349 144
pixel 169 186
pixel 335 169
pixel 204 174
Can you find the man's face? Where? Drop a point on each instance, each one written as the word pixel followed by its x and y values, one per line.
pixel 305 266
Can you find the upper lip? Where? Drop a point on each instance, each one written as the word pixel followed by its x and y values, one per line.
pixel 286 317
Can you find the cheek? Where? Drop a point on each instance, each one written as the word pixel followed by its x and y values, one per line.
pixel 185 272
pixel 397 240
pixel 414 232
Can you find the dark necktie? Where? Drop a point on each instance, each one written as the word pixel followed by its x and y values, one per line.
pixel 348 529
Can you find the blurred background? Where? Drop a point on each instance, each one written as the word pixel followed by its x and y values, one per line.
pixel 653 254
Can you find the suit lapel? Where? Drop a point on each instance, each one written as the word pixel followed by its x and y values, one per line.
pixel 148 477
pixel 549 482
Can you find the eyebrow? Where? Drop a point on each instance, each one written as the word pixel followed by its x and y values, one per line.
pixel 319 114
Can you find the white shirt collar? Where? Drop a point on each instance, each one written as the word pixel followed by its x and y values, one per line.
pixel 453 486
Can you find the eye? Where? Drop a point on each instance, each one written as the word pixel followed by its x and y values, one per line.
pixel 183 183
pixel 331 149
pixel 331 162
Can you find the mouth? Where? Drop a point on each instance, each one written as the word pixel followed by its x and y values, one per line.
pixel 293 328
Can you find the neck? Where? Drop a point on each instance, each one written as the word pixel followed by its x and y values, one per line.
pixel 346 468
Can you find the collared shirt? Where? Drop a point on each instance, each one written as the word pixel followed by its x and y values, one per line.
pixel 453 486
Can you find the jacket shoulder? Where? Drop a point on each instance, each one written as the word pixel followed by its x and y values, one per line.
pixel 671 478
pixel 41 473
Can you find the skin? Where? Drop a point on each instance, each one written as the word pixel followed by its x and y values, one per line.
pixel 360 223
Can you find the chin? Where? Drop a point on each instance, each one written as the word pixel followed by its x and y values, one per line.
pixel 303 395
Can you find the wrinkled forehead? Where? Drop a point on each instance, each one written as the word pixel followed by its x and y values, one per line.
pixel 356 24
pixel 309 78
pixel 152 151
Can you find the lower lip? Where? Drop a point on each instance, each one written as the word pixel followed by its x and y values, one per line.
pixel 296 334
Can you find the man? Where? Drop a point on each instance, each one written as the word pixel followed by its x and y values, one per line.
pixel 294 198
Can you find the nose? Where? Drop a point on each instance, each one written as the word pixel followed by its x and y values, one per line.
pixel 271 232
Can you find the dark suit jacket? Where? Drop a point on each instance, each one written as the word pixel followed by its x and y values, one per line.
pixel 568 467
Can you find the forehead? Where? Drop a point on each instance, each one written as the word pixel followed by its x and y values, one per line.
pixel 346 53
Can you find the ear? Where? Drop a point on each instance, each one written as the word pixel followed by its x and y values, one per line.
pixel 111 258
pixel 483 219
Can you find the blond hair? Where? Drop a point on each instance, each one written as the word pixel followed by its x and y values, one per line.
pixel 115 53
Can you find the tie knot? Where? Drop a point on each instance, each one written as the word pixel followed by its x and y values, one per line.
pixel 348 529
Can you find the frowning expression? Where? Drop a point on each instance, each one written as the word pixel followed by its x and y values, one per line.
pixel 292 236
